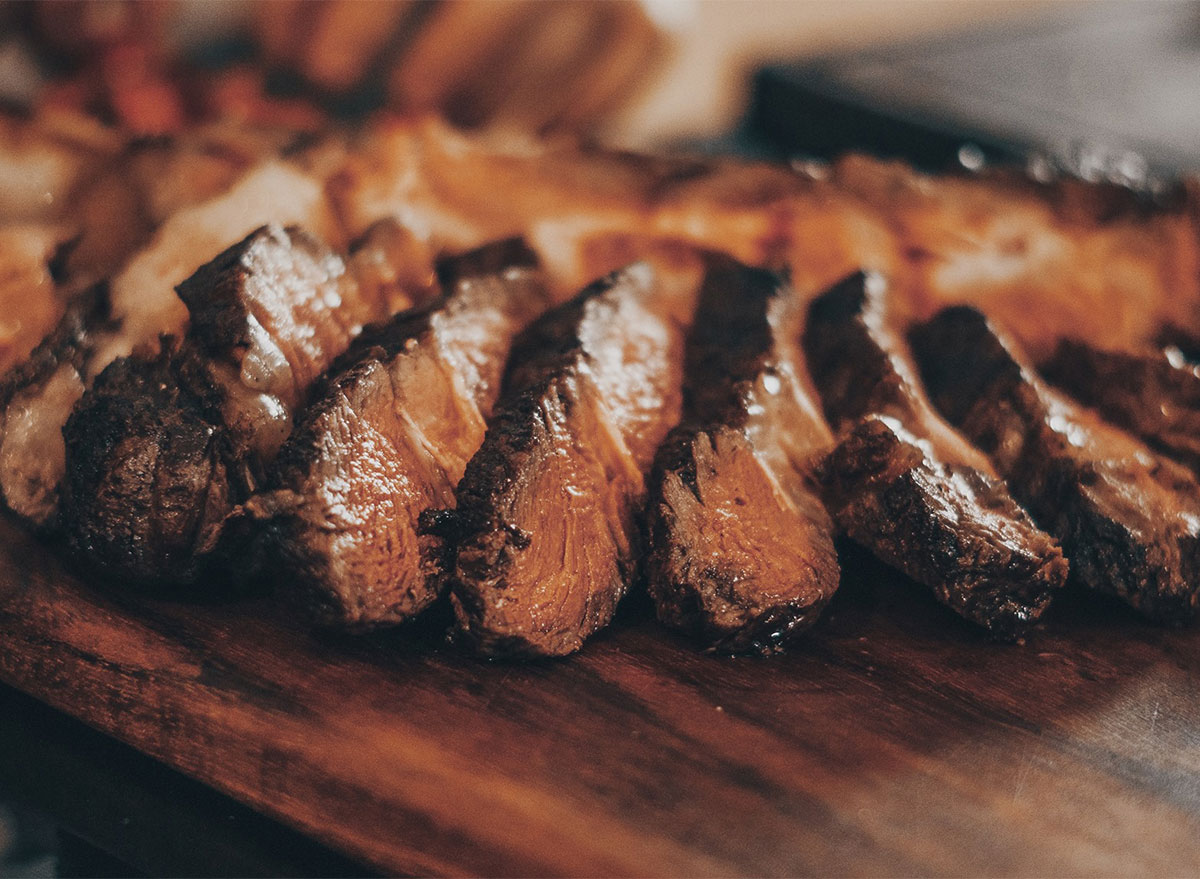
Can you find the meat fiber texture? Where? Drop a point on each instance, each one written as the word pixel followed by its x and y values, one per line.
pixel 1128 519
pixel 741 549
pixel 142 303
pixel 160 451
pixel 547 532
pixel 1045 260
pixel 1153 393
pixel 388 440
pixel 903 484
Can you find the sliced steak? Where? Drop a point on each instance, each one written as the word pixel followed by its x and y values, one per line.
pixel 1153 394
pixel 389 438
pixel 547 529
pixel 1128 519
pixel 269 315
pixel 903 484
pixel 741 549
pixel 35 399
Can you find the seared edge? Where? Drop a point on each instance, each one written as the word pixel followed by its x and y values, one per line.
pixel 1128 519
pixel 36 398
pixel 547 531
pixel 269 314
pixel 741 550
pixel 1153 394
pixel 388 438
pixel 903 484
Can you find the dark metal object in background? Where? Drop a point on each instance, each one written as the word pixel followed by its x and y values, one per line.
pixel 1103 91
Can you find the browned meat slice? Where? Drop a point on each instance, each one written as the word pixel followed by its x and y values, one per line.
pixel 1128 519
pixel 741 549
pixel 1046 259
pixel 1153 394
pixel 546 530
pixel 389 438
pixel 903 484
pixel 35 399
pixel 139 302
pixel 161 449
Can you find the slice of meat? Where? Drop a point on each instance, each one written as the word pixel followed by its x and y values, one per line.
pixel 1128 519
pixel 148 478
pixel 31 483
pixel 1155 395
pixel 903 484
pixel 546 531
pixel 145 494
pixel 143 293
pixel 1046 260
pixel 389 438
pixel 35 399
pixel 741 549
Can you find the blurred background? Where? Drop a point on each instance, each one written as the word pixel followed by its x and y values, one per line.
pixel 1106 90
pixel 634 73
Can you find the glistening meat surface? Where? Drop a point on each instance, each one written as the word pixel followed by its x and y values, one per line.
pixel 1153 394
pixel 741 549
pixel 903 484
pixel 269 315
pixel 388 439
pixel 547 528
pixel 1128 519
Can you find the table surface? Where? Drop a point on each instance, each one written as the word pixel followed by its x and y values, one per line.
pixel 895 739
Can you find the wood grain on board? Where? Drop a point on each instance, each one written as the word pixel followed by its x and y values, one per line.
pixel 894 740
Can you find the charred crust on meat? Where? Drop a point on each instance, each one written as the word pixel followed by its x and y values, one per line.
pixel 1153 394
pixel 162 449
pixel 147 462
pixel 220 313
pixel 889 495
pixel 553 468
pixel 490 259
pixel 1128 519
pixel 741 550
pixel 908 488
pixel 353 514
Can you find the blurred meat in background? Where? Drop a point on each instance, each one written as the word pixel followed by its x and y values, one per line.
pixel 635 73
pixel 156 66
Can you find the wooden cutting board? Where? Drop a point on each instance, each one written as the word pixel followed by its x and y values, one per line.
pixel 895 740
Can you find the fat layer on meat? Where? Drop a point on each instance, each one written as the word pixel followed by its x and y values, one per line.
pixel 36 398
pixel 105 218
pixel 1128 519
pixel 905 485
pixel 741 549
pixel 389 438
pixel 547 530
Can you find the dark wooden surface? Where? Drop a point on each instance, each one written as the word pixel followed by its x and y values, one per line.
pixel 894 741
pixel 121 813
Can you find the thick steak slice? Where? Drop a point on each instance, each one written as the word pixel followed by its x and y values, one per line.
pixel 388 438
pixel 36 398
pixel 139 304
pixel 741 549
pixel 1128 519
pixel 547 529
pixel 1155 395
pixel 903 484
pixel 269 315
